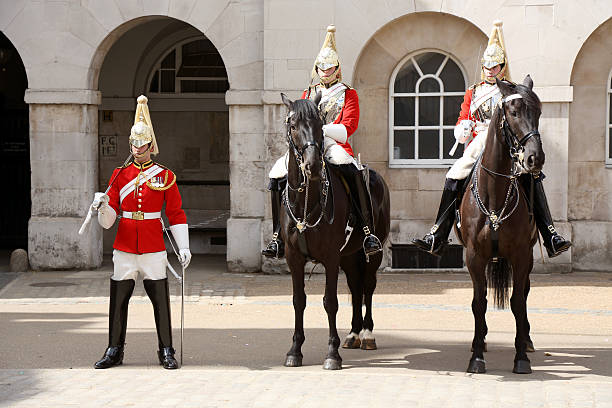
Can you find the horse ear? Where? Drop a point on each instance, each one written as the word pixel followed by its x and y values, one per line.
pixel 317 98
pixel 286 100
pixel 506 88
pixel 528 82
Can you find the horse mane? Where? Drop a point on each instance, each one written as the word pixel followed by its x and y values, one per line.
pixel 304 109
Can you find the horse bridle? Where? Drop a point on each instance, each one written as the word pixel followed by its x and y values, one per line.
pixel 302 224
pixel 516 145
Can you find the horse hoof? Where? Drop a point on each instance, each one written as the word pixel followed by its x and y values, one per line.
pixel 368 344
pixel 331 364
pixel 522 367
pixel 477 366
pixel 293 361
pixel 351 343
pixel 530 348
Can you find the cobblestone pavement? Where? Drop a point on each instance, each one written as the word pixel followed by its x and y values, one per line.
pixel 239 326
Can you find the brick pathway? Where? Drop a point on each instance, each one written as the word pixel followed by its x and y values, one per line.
pixel 239 327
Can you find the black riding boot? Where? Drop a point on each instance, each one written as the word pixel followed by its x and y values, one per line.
pixel 371 243
pixel 120 293
pixel 437 238
pixel 276 247
pixel 554 243
pixel 157 290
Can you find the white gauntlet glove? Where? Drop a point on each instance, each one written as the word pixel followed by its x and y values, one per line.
pixel 180 232
pixel 463 134
pixel 336 131
pixel 106 214
pixel 99 199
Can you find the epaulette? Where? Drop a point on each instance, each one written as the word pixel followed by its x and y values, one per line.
pixel 347 85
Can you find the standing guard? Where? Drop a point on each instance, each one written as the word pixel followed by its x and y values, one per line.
pixel 472 127
pixel 339 109
pixel 137 194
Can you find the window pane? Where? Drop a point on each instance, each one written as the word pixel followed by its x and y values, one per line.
pixel 195 72
pixel 167 80
pixel 429 62
pixel 429 142
pixel 198 47
pixel 403 144
pixel 429 110
pixel 403 111
pixel 449 141
pixel 203 60
pixel 610 117
pixel 192 86
pixel 429 85
pixel 169 61
pixel 452 77
pixel 610 147
pixel 406 78
pixel 155 83
pixel 452 107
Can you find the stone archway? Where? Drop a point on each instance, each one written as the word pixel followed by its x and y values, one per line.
pixel 415 192
pixel 590 181
pixel 14 148
pixel 189 114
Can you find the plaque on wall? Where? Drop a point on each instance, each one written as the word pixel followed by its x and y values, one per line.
pixel 108 146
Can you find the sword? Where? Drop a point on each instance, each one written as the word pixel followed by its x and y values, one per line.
pixel 91 208
pixel 181 279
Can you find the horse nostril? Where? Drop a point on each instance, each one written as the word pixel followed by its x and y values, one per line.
pixel 531 161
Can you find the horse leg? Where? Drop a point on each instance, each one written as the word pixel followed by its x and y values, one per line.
pixel 350 266
pixel 477 267
pixel 368 342
pixel 529 346
pixel 518 303
pixel 296 265
pixel 333 361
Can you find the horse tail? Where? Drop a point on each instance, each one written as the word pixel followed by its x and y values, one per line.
pixel 499 272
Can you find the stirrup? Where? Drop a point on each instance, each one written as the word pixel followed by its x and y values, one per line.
pixel 274 248
pixel 369 235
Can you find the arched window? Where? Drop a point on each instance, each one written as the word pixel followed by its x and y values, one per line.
pixel 193 66
pixel 609 124
pixel 425 96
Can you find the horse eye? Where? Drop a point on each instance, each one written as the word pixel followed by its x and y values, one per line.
pixel 514 113
pixel 292 127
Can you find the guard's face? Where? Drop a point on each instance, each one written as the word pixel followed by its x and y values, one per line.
pixel 142 153
pixel 326 73
pixel 491 73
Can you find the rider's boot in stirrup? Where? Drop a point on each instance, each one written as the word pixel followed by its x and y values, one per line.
pixel 437 238
pixel 276 247
pixel 554 243
pixel 158 292
pixel 371 243
pixel 120 293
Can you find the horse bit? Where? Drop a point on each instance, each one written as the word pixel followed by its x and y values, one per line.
pixel 303 224
pixel 517 152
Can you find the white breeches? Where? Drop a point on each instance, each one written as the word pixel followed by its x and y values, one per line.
pixel 128 266
pixel 462 167
pixel 334 153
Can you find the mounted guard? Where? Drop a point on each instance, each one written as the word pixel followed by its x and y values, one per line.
pixel 137 192
pixel 339 110
pixel 471 129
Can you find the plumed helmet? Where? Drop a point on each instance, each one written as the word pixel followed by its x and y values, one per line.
pixel 495 53
pixel 142 131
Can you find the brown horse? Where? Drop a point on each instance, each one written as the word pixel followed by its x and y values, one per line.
pixel 496 228
pixel 318 209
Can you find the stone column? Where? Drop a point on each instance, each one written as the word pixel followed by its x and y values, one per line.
pixel 247 180
pixel 64 162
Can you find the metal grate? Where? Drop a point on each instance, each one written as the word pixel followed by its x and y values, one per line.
pixel 408 256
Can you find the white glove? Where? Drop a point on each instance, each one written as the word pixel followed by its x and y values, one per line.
pixel 463 131
pixel 336 131
pixel 180 232
pixel 99 199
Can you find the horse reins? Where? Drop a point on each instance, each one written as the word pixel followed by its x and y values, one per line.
pixel 517 148
pixel 303 224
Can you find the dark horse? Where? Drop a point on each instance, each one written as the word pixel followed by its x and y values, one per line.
pixel 496 227
pixel 309 232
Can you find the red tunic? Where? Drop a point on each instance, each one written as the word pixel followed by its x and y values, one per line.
pixel 145 236
pixel 349 115
pixel 465 110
